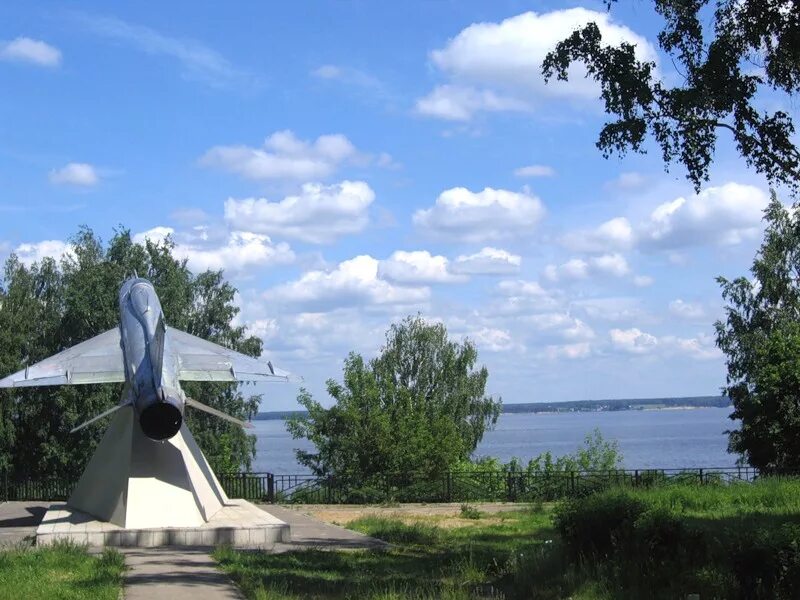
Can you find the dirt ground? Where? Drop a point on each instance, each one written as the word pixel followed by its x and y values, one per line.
pixel 443 515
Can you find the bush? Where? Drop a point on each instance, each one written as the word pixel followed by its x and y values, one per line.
pixel 722 542
pixel 470 512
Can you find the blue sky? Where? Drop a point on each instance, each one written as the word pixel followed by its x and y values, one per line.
pixel 351 163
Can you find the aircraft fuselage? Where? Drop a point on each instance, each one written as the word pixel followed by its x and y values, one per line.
pixel 149 370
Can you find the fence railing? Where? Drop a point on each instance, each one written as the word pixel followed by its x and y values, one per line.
pixel 451 486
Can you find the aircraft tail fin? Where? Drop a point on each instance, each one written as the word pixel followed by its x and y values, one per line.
pixel 217 413
pixel 100 416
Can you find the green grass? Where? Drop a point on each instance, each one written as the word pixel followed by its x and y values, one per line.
pixel 739 541
pixel 63 571
pixel 425 562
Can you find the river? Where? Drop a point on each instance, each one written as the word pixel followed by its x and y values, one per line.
pixel 668 439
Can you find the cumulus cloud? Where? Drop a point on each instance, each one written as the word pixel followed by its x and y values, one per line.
pixel 721 215
pixel 500 63
pixel 613 265
pixel 283 156
pixel 25 49
pixel 562 325
pixel 568 351
pixel 614 234
pixel 488 261
pixel 480 216
pixel 417 267
pixel 535 171
pixel 34 252
pixel 75 174
pixel 493 340
pixel 239 252
pixel 318 214
pixel 633 341
pixel 701 347
pixel 460 103
pixel 353 282
pixel 519 296
pixel 687 310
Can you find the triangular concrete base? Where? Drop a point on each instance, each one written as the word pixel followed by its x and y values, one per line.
pixel 135 482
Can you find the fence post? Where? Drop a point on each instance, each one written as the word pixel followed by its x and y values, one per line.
pixel 636 480
pixel 509 487
pixel 701 476
pixel 270 488
pixel 449 486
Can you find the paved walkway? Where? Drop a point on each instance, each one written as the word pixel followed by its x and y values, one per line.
pixel 19 520
pixel 187 574
pixel 308 532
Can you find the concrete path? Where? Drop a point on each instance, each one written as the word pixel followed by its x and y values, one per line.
pixel 19 520
pixel 308 532
pixel 175 574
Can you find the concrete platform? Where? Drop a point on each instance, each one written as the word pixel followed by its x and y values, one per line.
pixel 239 524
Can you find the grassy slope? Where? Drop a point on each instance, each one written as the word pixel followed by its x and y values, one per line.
pixel 63 571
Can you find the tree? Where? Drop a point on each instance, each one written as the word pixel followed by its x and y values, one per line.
pixel 47 307
pixel 419 406
pixel 751 47
pixel 761 339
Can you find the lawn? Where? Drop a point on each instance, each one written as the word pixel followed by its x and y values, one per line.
pixel 738 541
pixel 63 571
pixel 427 560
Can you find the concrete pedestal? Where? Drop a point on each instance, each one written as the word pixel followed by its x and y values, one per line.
pixel 238 523
pixel 138 483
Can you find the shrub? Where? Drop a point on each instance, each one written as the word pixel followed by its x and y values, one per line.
pixel 470 512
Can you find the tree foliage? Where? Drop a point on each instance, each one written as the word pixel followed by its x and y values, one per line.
pixel 761 339
pixel 47 307
pixel 726 53
pixel 419 406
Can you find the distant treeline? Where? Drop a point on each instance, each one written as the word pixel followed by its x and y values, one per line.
pixel 571 406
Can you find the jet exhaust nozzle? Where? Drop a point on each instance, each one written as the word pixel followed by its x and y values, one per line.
pixel 161 420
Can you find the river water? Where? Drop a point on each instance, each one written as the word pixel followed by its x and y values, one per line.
pixel 668 439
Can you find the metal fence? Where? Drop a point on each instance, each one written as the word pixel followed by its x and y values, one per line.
pixel 451 486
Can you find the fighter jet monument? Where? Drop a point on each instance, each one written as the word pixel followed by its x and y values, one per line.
pixel 148 471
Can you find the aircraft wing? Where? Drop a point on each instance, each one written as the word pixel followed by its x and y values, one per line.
pixel 97 360
pixel 201 360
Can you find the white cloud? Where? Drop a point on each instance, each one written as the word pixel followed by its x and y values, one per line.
pixel 568 351
pixel 25 49
pixel 643 281
pixel 614 234
pixel 630 180
pixel 198 62
pixel 318 214
pixel 460 103
pixel 701 347
pixel 493 340
pixel 417 267
pixel 523 297
pixel 722 215
pixel 633 341
pixel 504 59
pixel 562 325
pixel 687 310
pixel 535 171
pixel 353 282
pixel 489 261
pixel 238 253
pixel 283 156
pixel 29 253
pixel 613 265
pixel 77 174
pixel 480 216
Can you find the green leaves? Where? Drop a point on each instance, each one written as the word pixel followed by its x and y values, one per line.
pixel 750 48
pixel 761 338
pixel 419 406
